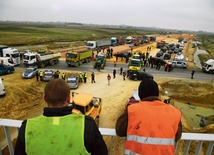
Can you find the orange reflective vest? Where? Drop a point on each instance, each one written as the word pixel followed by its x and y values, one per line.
pixel 152 127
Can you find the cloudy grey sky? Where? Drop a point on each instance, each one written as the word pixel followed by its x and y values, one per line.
pixel 174 14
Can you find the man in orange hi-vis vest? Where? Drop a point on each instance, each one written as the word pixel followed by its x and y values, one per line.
pixel 150 126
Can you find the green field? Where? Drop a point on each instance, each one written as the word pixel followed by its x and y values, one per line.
pixel 34 34
pixel 208 45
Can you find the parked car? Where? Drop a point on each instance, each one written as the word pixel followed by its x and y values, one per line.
pixel 159 54
pixel 158 59
pixel 167 56
pixel 30 72
pixel 73 81
pixel 140 75
pixel 48 75
pixel 123 54
pixel 179 64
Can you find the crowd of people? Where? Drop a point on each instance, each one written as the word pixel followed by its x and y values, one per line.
pixel 143 123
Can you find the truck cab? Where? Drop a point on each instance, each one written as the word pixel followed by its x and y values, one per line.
pixel 114 41
pixel 129 40
pixel 134 65
pixel 91 45
pixel 6 61
pixel 13 54
pixel 29 58
pixel 208 66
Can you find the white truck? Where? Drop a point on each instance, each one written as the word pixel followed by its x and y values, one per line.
pixel 98 45
pixel 11 53
pixel 208 66
pixel 41 59
pixel 129 39
pixel 6 61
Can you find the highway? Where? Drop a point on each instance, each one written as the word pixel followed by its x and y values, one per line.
pixel 176 73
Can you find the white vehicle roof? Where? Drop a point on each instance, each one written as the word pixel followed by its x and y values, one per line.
pixel 129 37
pixel 113 38
pixel 210 62
pixel 135 59
pixel 100 54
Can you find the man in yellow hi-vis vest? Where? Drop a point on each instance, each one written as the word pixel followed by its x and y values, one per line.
pixel 57 130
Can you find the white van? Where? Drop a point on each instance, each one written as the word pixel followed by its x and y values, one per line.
pixel 6 61
pixel 2 89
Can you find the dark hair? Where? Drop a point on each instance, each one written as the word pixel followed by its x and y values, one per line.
pixel 148 87
pixel 56 92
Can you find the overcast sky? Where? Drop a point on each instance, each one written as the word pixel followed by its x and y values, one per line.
pixel 174 14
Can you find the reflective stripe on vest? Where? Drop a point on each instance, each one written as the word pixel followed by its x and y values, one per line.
pixel 151 140
pixel 129 152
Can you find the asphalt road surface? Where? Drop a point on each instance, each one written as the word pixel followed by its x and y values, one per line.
pixel 176 73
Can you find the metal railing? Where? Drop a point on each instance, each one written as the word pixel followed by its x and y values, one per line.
pixel 186 139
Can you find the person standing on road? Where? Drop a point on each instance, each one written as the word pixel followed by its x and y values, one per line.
pixel 121 70
pixel 37 76
pixel 63 76
pixel 109 78
pixel 80 77
pixel 115 63
pixel 58 131
pixel 41 75
pixel 166 67
pixel 114 73
pixel 92 77
pixel 111 53
pixel 144 123
pixel 85 77
pixel 124 75
pixel 58 72
pixel 55 75
pixel 192 74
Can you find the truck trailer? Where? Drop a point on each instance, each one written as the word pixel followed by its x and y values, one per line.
pixel 41 60
pixel 208 66
pixel 11 53
pixel 117 41
pixel 160 44
pixel 98 45
pixel 77 58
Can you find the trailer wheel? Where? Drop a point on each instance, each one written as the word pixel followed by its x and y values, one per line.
pixel 86 60
pixel 76 64
pixel 102 66
pixel 42 65
pixel 56 61
pixel 52 62
pixel 9 71
pixel 211 71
